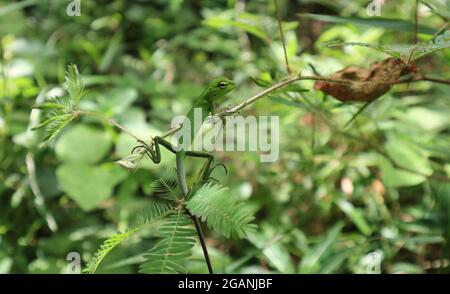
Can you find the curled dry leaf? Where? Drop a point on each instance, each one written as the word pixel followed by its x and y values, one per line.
pixel 125 164
pixel 366 84
pixel 131 161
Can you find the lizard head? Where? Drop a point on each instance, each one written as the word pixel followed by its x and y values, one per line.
pixel 219 87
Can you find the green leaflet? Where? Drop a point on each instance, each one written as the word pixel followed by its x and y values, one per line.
pixel 156 212
pixel 222 212
pixel 62 108
pixel 74 84
pixel 178 238
pixel 166 187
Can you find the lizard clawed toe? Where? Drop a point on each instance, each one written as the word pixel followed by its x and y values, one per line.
pixel 219 164
pixel 138 147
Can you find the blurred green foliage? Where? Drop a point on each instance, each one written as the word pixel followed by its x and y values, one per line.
pixel 328 203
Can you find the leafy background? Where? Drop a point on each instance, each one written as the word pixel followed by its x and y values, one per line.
pixel 329 201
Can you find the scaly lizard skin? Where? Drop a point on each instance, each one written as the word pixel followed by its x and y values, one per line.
pixel 215 91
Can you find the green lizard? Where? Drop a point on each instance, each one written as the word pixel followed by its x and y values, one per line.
pixel 215 91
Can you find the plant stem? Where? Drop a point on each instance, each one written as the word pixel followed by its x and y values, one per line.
pixel 280 27
pixel 201 237
pixel 434 80
pixel 440 31
pixel 277 86
pixel 416 21
pixel 292 79
pixel 181 174
pixel 109 120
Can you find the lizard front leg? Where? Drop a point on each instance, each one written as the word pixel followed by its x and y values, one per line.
pixel 154 153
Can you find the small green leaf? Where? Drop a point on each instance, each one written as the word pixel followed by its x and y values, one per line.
pixel 261 82
pixel 74 84
pixel 48 106
pixel 167 186
pixel 311 261
pixel 412 163
pixel 45 122
pixel 277 254
pixel 218 22
pixel 295 88
pixel 57 125
pixel 155 212
pixel 355 215
pixel 178 238
pixel 221 211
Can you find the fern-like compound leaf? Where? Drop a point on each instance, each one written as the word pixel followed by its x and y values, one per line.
pixel 222 212
pixel 74 84
pixel 62 109
pixel 167 186
pixel 178 238
pixel 157 211
pixel 57 124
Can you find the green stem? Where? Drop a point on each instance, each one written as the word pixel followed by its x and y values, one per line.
pixel 181 174
pixel 283 42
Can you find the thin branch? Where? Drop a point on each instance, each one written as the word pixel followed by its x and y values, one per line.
pixel 416 22
pixel 445 18
pixel 239 8
pixel 289 80
pixel 277 86
pixel 250 100
pixel 435 80
pixel 171 131
pixel 280 27
pixel 440 31
pixel 417 78
pixel 314 70
pixel 109 120
pixel 201 237
pixel 181 175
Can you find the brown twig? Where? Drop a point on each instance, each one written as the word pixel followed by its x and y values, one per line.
pixel 277 86
pixel 418 78
pixel 109 120
pixel 287 81
pixel 434 80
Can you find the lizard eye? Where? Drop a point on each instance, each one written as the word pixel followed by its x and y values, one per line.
pixel 222 85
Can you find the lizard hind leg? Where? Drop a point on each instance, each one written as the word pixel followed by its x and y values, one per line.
pixel 208 168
